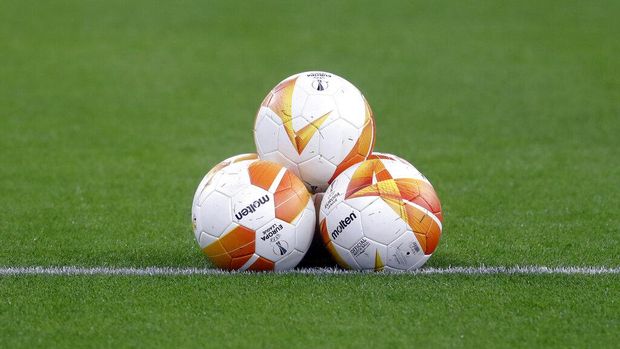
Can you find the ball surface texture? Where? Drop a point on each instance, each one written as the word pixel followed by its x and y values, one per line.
pixel 381 214
pixel 317 124
pixel 253 215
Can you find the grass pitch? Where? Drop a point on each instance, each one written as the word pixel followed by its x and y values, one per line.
pixel 111 112
pixel 358 311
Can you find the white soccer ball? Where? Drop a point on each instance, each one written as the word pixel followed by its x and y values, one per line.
pixel 317 124
pixel 381 214
pixel 253 215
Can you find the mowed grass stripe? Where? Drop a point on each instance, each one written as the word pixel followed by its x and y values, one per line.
pixel 172 271
pixel 310 311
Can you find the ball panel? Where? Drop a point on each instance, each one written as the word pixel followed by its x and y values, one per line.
pixel 291 197
pixel 318 108
pixel 239 242
pixel 204 239
pixel 370 255
pixel 405 252
pixel 305 227
pixel 287 146
pixel 299 143
pixel 268 130
pixel 344 225
pixel 277 157
pixel 263 173
pixel 199 196
pixel 296 133
pixel 289 262
pixel 420 193
pixel 210 178
pixel 261 264
pixel 253 207
pixel 342 256
pixel 217 255
pixel 333 196
pixel 230 188
pixel 214 214
pixel 426 229
pixel 314 171
pixel 280 100
pixel 362 202
pixel 298 100
pixel 371 178
pixel 275 240
pixel 233 178
pixel 352 105
pixel 337 140
pixel 362 148
pixel 380 223
pixel 306 143
pixel 285 100
pixel 222 261
pixel 239 262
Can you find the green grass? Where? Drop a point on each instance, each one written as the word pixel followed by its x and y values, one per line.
pixel 312 311
pixel 112 111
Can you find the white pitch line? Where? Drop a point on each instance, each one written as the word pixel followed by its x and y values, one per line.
pixel 172 271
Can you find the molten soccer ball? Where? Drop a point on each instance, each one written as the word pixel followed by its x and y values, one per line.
pixel 381 214
pixel 316 124
pixel 253 215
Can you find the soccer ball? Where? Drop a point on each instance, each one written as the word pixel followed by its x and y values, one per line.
pixel 316 124
pixel 381 214
pixel 250 214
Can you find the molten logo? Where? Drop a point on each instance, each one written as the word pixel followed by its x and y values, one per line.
pixel 251 208
pixel 343 224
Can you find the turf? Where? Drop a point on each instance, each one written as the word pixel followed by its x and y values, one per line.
pixel 312 311
pixel 111 112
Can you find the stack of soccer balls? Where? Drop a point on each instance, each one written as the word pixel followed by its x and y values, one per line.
pixel 314 136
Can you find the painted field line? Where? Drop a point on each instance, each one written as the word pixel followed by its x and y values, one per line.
pixel 172 271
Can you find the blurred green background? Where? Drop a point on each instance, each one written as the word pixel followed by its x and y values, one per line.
pixel 112 111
